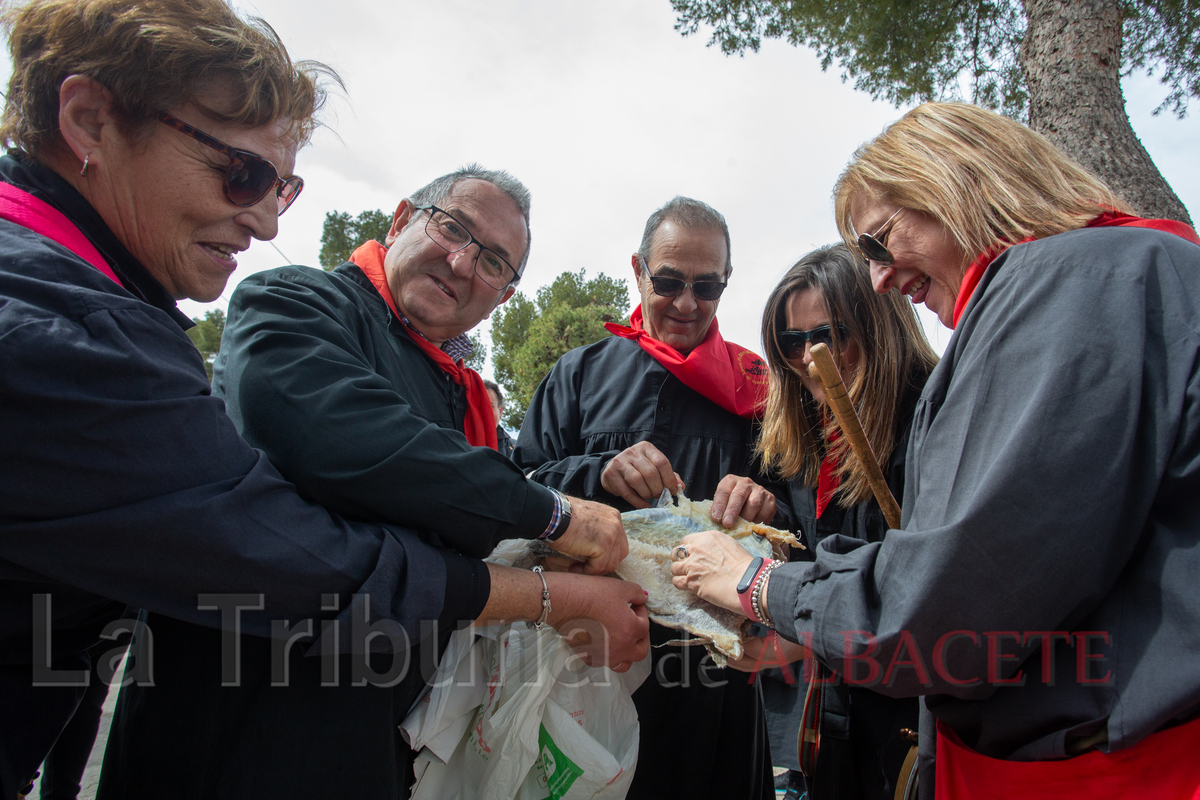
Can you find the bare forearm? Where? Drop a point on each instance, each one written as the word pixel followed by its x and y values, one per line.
pixel 517 595
pixel 604 619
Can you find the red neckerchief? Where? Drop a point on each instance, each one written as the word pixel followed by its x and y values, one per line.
pixel 1108 219
pixel 828 479
pixel 479 425
pixel 730 375
pixel 40 217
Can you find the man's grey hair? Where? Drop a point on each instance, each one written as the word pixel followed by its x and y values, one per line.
pixel 435 193
pixel 686 213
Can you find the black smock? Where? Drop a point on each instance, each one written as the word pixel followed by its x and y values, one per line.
pixel 703 732
pixel 862 750
pixel 318 373
pixel 123 482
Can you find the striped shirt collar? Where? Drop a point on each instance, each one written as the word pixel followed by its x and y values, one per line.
pixel 458 348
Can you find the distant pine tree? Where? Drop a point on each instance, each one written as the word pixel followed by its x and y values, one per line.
pixel 529 337
pixel 1054 64
pixel 342 234
pixel 207 337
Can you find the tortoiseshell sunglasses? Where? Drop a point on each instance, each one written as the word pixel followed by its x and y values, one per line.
pixel 249 176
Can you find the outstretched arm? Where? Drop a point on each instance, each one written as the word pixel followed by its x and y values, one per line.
pixel 603 619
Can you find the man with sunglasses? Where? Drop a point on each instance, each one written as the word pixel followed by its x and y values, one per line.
pixel 668 404
pixel 352 383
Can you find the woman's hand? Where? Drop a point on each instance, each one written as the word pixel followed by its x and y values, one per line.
pixel 603 619
pixel 711 569
pixel 764 652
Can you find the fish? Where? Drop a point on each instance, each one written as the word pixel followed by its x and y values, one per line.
pixel 654 533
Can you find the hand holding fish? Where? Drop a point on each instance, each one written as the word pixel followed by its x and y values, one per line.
pixel 741 497
pixel 711 568
pixel 638 474
pixel 595 533
pixel 603 619
pixel 764 652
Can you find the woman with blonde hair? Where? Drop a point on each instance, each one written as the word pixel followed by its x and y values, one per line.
pixel 884 359
pixel 1041 594
pixel 153 140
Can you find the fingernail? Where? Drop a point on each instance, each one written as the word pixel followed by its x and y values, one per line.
pixel 645 593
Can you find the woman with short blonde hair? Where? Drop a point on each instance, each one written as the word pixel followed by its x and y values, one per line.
pixel 986 177
pixel 1041 593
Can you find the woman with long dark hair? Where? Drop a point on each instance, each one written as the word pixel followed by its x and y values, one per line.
pixel 884 358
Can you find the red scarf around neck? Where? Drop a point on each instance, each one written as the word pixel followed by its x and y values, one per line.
pixel 1108 219
pixel 479 425
pixel 727 374
pixel 828 479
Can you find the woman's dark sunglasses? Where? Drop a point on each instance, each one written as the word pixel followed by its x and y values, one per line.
pixel 872 246
pixel 792 342
pixel 249 177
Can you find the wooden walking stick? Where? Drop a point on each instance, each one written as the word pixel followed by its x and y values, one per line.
pixel 825 372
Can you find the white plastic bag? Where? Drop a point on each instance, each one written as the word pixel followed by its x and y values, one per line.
pixel 514 715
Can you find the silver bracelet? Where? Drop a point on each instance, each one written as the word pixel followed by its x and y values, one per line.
pixel 541 621
pixel 756 595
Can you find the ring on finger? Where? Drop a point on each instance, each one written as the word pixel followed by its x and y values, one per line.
pixel 679 553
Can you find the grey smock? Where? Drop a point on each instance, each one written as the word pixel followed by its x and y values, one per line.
pixel 1052 496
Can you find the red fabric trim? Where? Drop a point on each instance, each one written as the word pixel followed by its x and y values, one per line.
pixel 828 478
pixel 40 217
pixel 1108 219
pixel 479 424
pixel 1116 218
pixel 727 374
pixel 1161 766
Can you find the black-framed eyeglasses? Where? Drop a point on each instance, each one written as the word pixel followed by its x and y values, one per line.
pixel 249 177
pixel 673 287
pixel 872 245
pixel 452 236
pixel 792 342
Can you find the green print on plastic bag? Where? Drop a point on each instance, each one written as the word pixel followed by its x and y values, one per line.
pixel 556 772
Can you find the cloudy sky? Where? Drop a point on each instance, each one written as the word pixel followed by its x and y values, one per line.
pixel 605 112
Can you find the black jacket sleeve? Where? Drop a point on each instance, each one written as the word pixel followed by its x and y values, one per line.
pixel 120 475
pixel 349 409
pixel 551 445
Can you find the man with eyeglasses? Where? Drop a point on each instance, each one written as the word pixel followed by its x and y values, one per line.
pixel 668 403
pixel 353 384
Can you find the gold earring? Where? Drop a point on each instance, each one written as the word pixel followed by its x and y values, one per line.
pixel 83 172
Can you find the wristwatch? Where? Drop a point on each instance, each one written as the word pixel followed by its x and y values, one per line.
pixel 564 521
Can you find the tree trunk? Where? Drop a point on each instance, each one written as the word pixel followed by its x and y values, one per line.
pixel 1071 58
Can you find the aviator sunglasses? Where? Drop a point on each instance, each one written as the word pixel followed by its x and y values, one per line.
pixel 872 246
pixel 792 342
pixel 249 176
pixel 673 287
